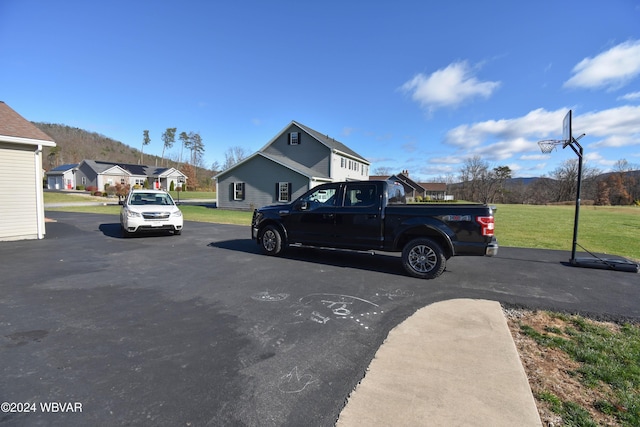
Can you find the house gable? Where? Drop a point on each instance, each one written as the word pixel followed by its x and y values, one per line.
pixel 297 155
pixel 299 146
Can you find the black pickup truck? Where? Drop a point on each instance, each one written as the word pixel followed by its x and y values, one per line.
pixel 373 215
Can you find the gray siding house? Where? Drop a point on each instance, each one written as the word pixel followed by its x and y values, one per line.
pixel 94 173
pixel 62 177
pixel 295 160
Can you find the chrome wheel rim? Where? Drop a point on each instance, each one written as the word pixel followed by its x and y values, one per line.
pixel 422 258
pixel 269 240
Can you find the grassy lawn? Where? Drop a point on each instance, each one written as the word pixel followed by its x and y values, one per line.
pixel 602 229
pixel 595 380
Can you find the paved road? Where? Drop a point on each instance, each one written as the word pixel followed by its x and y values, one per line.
pixel 201 329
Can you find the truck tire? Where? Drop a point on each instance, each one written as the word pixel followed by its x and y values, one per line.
pixel 271 240
pixel 423 258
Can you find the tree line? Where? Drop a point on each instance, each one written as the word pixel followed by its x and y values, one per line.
pixel 479 182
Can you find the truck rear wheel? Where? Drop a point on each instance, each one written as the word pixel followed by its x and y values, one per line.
pixel 271 240
pixel 423 258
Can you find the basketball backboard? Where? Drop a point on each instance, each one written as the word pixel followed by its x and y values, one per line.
pixel 566 129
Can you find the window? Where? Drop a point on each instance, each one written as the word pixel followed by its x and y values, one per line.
pixel 361 195
pixel 238 190
pixel 84 180
pixel 294 138
pixel 324 196
pixel 283 191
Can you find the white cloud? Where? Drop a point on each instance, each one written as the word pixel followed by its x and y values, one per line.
pixel 613 68
pixel 540 124
pixel 616 127
pixel 448 87
pixel 632 96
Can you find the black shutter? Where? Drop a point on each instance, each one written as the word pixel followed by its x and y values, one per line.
pixel 299 138
pixel 277 191
pixel 242 190
pixel 232 192
pixel 289 138
pixel 289 191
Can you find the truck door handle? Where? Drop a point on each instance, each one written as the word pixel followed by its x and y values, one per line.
pixel 372 216
pixel 328 216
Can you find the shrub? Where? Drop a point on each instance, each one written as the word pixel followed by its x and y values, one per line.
pixel 92 189
pixel 80 187
pixel 97 193
pixel 172 187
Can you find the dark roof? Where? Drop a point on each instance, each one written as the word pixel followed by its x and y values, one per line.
pixel 330 142
pixel 434 186
pixel 64 168
pixel 13 124
pixel 100 166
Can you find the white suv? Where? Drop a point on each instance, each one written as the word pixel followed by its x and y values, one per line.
pixel 150 210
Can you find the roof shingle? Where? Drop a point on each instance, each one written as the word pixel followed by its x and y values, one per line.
pixel 13 124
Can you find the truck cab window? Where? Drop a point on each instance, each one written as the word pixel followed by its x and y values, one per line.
pixel 361 195
pixel 322 197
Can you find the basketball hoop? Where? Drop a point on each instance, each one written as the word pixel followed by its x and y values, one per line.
pixel 548 145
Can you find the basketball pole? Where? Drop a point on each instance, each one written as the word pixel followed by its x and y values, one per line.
pixel 579 152
pixel 547 146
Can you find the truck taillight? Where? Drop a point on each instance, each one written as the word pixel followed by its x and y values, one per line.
pixel 487 223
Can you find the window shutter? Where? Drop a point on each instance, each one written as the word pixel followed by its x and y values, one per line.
pixel 232 191
pixel 242 190
pixel 289 138
pixel 277 192
pixel 289 191
pixel 299 138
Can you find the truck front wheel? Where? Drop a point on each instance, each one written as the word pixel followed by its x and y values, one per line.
pixel 423 258
pixel 271 240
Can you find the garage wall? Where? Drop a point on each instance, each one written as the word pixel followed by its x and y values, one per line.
pixel 18 196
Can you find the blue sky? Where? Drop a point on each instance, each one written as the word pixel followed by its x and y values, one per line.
pixel 414 85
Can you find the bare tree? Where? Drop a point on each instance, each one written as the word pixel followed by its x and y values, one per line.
pixel 382 171
pixel 232 156
pixel 565 186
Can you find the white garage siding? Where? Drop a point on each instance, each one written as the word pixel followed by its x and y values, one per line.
pixel 18 196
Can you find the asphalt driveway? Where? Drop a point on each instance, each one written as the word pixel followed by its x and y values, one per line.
pixel 201 329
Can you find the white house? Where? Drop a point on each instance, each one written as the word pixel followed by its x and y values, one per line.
pixel 21 176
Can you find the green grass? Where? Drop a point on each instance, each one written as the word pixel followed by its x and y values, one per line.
pixel 608 360
pixel 193 195
pixel 602 229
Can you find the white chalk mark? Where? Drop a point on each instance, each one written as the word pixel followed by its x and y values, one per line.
pixel 293 382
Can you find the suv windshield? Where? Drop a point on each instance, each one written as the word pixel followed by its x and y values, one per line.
pixel 150 199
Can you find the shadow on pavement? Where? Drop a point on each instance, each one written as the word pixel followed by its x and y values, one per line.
pixel 379 262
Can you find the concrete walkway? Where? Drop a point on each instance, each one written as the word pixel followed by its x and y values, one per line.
pixel 453 363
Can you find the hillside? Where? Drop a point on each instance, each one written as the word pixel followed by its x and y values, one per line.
pixel 74 145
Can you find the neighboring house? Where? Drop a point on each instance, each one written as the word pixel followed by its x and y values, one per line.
pixel 22 207
pixel 433 191
pixel 94 173
pixel 436 190
pixel 295 160
pixel 62 177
